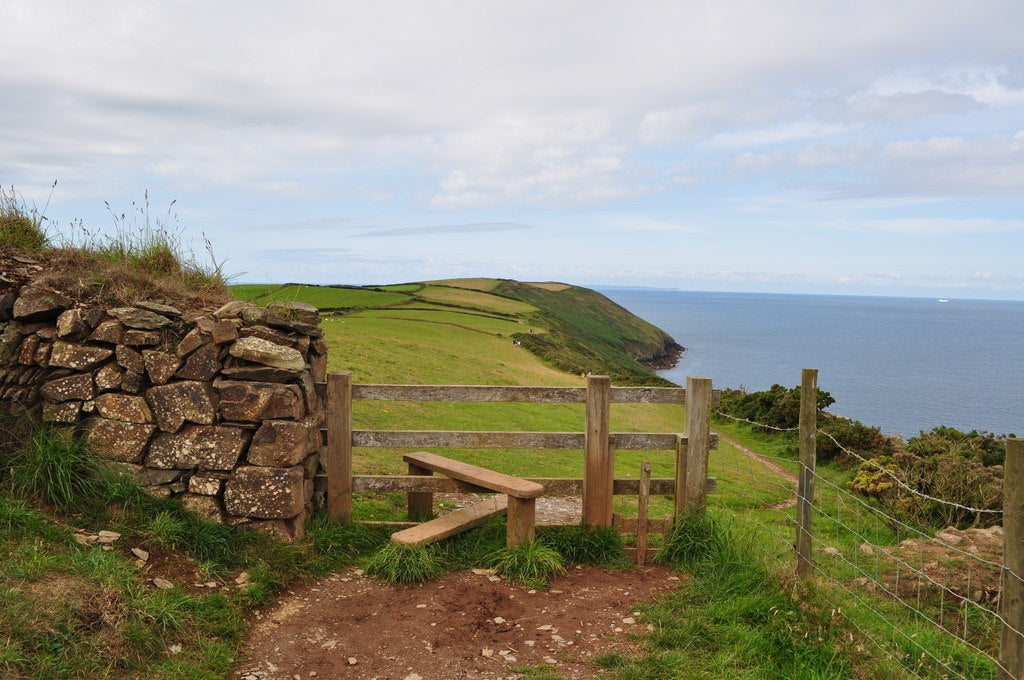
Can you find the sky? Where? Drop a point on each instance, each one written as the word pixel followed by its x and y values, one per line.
pixel 862 148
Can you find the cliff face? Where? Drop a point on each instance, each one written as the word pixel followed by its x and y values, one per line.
pixel 217 407
pixel 594 334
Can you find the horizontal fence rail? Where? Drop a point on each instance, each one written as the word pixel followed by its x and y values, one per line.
pixel 597 444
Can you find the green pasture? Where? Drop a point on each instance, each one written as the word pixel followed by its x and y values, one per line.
pixel 473 298
pixel 323 297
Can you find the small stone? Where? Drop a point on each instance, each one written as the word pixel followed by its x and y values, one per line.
pixel 546 626
pixel 629 620
pixel 485 652
pixel 499 620
pixel 866 548
pixel 141 554
pixel 352 661
pixel 162 584
pixel 174 649
pixel 108 537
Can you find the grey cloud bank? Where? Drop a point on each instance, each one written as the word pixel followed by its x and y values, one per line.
pixel 873 148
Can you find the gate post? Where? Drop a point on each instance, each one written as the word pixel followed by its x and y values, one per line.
pixel 599 460
pixel 338 456
pixel 698 445
pixel 1011 599
pixel 808 457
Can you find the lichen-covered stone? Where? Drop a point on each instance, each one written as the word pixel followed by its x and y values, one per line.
pixel 157 308
pixel 265 492
pixel 124 407
pixel 71 325
pixel 160 366
pixel 66 412
pixel 224 331
pixel 110 331
pixel 78 357
pixel 261 374
pixel 117 439
pixel 133 383
pixel 283 443
pixel 192 341
pixel 175 403
pixel 231 309
pixel 202 364
pixel 27 353
pixel 10 341
pixel 143 319
pixel 130 359
pixel 205 485
pixel 260 351
pixel 77 387
pixel 140 338
pixel 206 507
pixel 206 447
pixel 296 311
pixel 36 304
pixel 270 335
pixel 258 401
pixel 108 377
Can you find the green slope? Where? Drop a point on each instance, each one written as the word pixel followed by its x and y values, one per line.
pixel 574 329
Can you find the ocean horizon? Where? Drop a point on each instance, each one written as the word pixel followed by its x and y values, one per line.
pixel 903 364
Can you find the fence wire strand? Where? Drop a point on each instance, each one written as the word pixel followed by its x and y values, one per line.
pixel 888 557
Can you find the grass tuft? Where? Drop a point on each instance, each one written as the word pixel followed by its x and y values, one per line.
pixel 594 546
pixel 530 565
pixel 406 563
pixel 54 467
pixel 20 226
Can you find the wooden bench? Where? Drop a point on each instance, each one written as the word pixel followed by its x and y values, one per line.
pixel 519 502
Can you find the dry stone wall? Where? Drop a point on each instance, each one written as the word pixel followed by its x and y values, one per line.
pixel 219 409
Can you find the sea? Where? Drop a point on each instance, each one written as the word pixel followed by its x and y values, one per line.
pixel 906 365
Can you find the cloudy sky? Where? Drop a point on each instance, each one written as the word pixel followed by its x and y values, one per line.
pixel 822 147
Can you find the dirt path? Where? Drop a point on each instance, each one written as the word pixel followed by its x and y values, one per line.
pixel 465 625
pixel 771 465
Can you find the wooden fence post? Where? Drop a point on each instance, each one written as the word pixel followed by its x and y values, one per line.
pixel 680 482
pixel 808 457
pixel 698 443
pixel 1011 598
pixel 338 455
pixel 599 462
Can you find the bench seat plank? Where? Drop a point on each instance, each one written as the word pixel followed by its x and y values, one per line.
pixel 489 479
pixel 452 523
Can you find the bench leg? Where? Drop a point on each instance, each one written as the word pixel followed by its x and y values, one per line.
pixel 522 513
pixel 420 503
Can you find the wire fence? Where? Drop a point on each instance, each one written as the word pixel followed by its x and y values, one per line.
pixel 927 600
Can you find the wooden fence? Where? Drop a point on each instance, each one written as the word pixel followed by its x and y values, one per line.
pixel 689 487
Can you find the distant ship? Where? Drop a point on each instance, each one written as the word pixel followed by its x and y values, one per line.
pixel 943 300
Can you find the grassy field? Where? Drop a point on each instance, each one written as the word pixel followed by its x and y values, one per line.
pixel 71 611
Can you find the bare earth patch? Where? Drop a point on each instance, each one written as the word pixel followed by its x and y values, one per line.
pixel 465 625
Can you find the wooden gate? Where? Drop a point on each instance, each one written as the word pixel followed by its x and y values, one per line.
pixel 689 486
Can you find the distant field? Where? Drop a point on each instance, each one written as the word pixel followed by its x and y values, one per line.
pixel 485 285
pixel 323 297
pixel 551 285
pixel 473 298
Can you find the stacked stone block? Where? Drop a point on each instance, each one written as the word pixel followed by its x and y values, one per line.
pixel 219 410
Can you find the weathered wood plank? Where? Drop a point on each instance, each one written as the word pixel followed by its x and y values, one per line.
pixel 495 393
pixel 629 525
pixel 489 479
pixel 452 523
pixel 648 557
pixel 522 519
pixel 553 486
pixel 489 439
pixel 599 456
pixel 518 393
pixel 642 525
pixel 419 504
pixel 338 453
